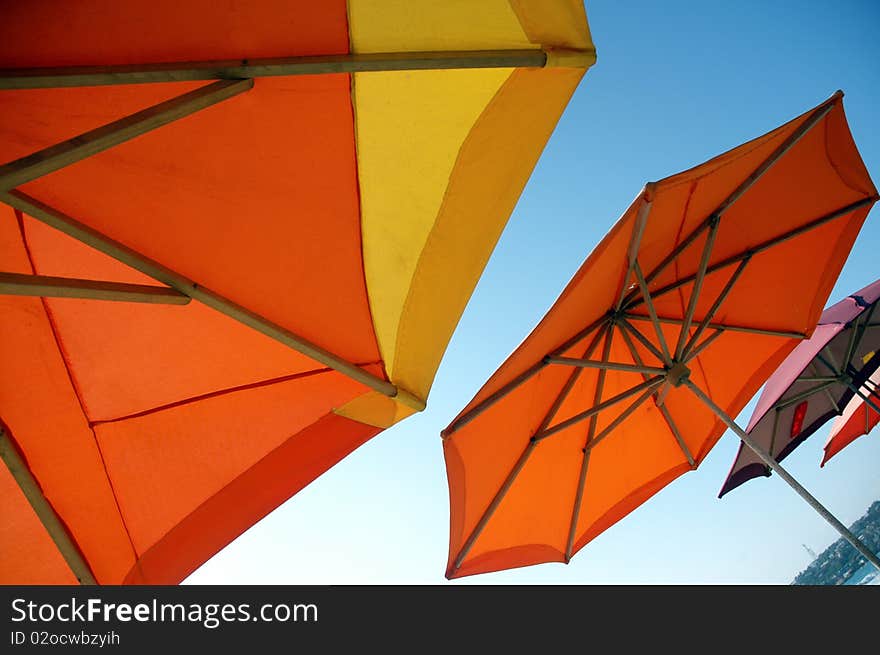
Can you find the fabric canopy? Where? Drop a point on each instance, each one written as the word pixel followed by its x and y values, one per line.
pixel 696 294
pixel 356 211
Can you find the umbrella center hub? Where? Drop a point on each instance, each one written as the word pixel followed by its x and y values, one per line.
pixel 677 374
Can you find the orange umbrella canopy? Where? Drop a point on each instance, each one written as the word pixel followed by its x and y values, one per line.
pixel 324 179
pixel 703 286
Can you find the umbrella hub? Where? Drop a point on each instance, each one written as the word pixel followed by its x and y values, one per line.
pixel 677 374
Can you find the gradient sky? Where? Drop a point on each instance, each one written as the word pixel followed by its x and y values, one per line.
pixel 675 83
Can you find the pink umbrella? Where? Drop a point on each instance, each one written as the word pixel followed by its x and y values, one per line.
pixel 814 383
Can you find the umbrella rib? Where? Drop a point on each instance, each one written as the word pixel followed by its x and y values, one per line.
pixel 77 76
pixel 635 241
pixel 605 366
pixel 715 307
pixel 569 384
pixel 776 414
pixel 65 153
pixel 806 393
pixel 588 448
pixel 694 353
pixel 850 346
pixel 585 459
pixel 833 402
pixel 862 328
pixel 523 377
pixel 724 326
pixel 777 468
pixel 661 406
pixel 496 501
pixel 629 327
pixel 837 370
pixel 50 519
pixel 70 226
pixel 698 285
pixel 520 463
pixel 765 245
pixel 817 115
pixel 649 301
pixel 16 284
pixel 605 404
pixel 632 297
pixel 625 414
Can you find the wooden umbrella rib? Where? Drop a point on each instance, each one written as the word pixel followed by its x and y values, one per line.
pixel 649 302
pixel 569 383
pixel 47 515
pixel 605 366
pixel 854 338
pixel 520 379
pixel 16 284
pixel 817 115
pixel 697 288
pixel 715 307
pixel 632 296
pixel 806 393
pixel 592 442
pixel 70 226
pixel 496 501
pixel 605 404
pixel 695 352
pixel 865 319
pixel 667 416
pixel 151 73
pixel 723 326
pixel 765 245
pixel 625 414
pixel 635 242
pixel 811 121
pixel 585 458
pixel 520 463
pixel 629 327
pixel 65 153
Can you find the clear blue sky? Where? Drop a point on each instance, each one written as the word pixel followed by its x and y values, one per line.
pixel 675 84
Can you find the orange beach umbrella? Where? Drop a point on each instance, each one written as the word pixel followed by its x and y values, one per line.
pixel 237 238
pixel 859 417
pixel 693 298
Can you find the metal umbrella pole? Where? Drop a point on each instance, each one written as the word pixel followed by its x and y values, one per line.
pixel 785 475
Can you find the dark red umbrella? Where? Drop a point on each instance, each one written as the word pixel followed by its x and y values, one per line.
pixel 813 384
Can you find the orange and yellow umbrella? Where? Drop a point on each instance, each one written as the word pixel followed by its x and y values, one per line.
pixel 317 186
pixel 705 284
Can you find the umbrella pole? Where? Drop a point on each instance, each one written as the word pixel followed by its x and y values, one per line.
pixel 785 475
pixel 29 486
